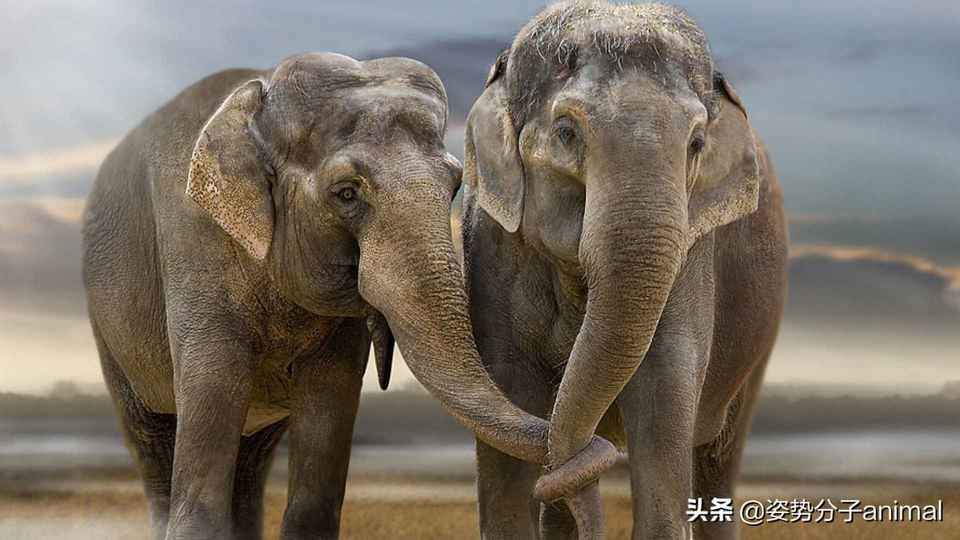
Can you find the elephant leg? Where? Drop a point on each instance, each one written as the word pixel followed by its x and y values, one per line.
pixel 658 407
pixel 504 488
pixel 504 483
pixel 324 404
pixel 148 435
pixel 212 382
pixel 253 467
pixel 717 463
pixel 556 521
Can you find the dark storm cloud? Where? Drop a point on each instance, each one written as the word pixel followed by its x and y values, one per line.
pixel 933 238
pixel 40 261
pixel 875 292
pixel 868 317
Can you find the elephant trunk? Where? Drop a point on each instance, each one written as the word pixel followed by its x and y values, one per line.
pixel 421 293
pixel 630 250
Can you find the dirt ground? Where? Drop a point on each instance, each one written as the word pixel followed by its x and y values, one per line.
pixel 114 508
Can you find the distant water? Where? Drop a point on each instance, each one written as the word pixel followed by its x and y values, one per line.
pixel 59 451
pixel 894 455
pixel 888 455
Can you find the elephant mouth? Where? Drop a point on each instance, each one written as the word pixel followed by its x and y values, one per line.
pixel 335 292
pixel 341 276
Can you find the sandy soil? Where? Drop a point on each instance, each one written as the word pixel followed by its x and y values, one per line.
pixel 110 505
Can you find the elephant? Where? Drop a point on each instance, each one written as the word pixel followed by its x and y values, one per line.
pixel 243 248
pixel 624 247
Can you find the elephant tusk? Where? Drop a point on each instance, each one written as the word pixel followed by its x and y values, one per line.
pixel 383 344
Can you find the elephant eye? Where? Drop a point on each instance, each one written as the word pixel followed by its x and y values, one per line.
pixel 565 132
pixel 347 194
pixel 269 169
pixel 697 142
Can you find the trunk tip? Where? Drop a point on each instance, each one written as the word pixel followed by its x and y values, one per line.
pixel 578 472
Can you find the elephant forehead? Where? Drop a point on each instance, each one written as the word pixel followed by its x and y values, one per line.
pixel 655 37
pixel 613 28
pixel 375 109
pixel 361 108
pixel 320 76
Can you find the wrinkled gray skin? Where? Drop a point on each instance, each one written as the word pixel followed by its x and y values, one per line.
pixel 242 247
pixel 625 248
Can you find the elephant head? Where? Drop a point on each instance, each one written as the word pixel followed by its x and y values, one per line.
pixel 332 173
pixel 608 141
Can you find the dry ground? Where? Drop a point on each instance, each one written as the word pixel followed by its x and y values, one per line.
pixel 115 509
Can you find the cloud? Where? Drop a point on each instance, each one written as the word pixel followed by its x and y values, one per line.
pixel 871 290
pixel 950 275
pixel 40 257
pixel 867 316
pixel 26 168
pixel 865 297
pixel 930 237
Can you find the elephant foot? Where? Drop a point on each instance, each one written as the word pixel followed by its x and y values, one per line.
pixel 581 470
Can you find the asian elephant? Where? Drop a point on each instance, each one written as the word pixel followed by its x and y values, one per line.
pixel 625 252
pixel 242 248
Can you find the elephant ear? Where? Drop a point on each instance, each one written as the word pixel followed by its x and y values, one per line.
pixel 493 166
pixel 727 185
pixel 227 178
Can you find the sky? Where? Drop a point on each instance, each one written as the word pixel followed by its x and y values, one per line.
pixel 856 100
